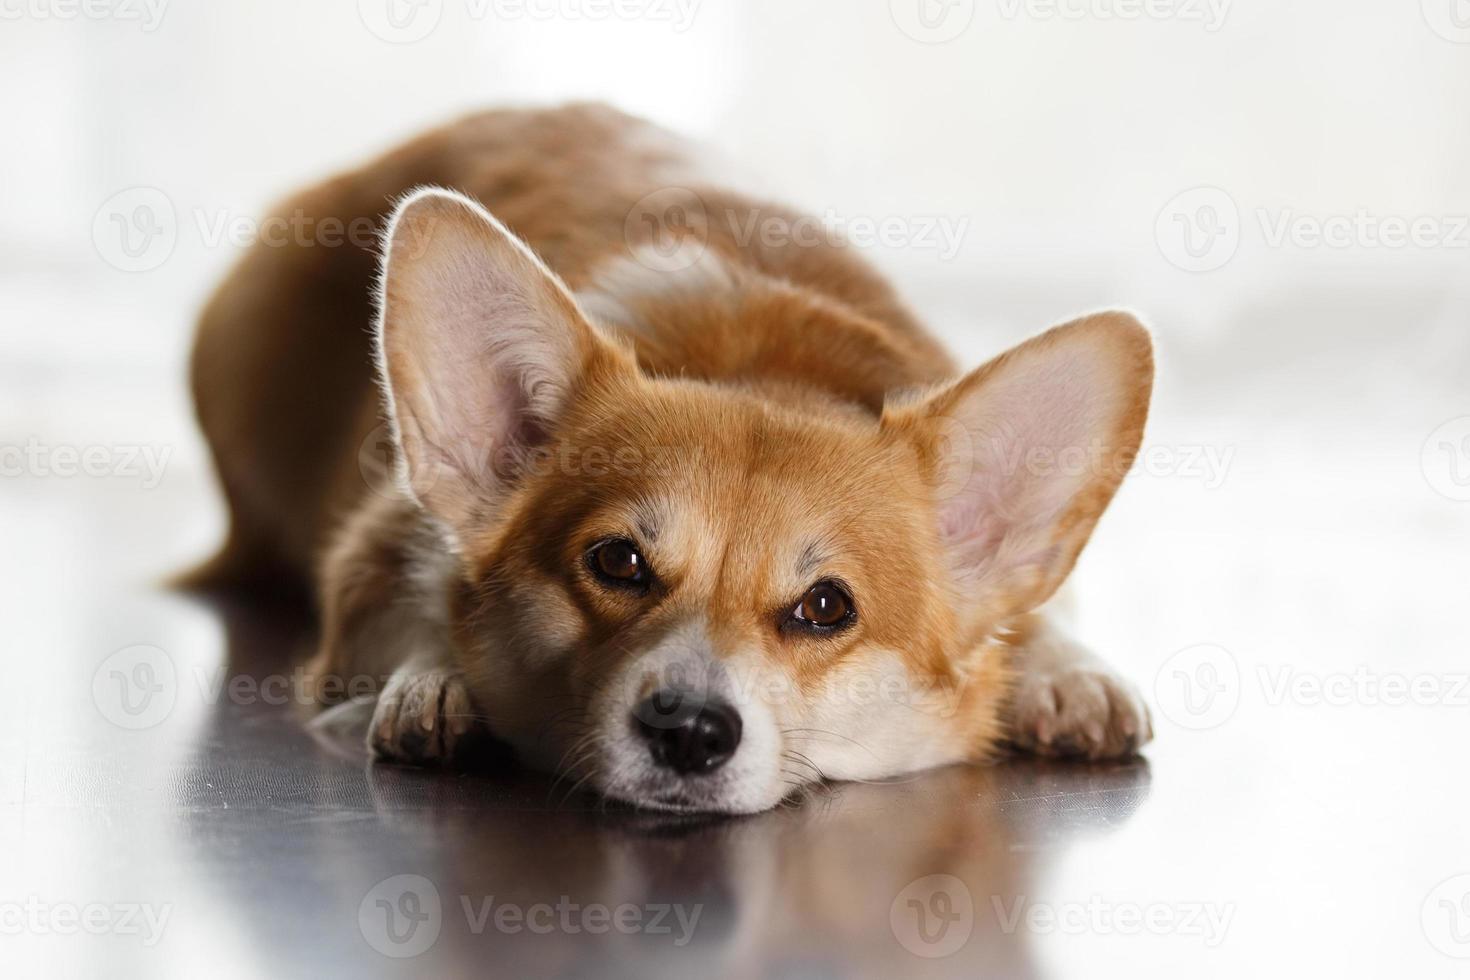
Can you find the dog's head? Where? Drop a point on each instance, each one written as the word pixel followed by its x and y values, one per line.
pixel 697 597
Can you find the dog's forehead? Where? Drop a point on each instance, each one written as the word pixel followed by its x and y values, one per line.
pixel 768 467
pixel 774 511
pixel 719 428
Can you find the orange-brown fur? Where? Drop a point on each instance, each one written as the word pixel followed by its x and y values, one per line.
pixel 287 397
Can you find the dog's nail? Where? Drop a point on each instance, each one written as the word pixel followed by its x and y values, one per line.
pixel 1130 727
pixel 428 722
pixel 1094 733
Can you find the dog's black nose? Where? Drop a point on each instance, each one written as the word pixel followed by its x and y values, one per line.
pixel 688 734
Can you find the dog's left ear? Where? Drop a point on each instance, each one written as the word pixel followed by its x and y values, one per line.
pixel 1025 453
pixel 482 348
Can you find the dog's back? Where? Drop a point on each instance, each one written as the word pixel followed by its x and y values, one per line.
pixel 685 270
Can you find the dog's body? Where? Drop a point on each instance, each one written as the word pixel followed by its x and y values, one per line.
pixel 693 515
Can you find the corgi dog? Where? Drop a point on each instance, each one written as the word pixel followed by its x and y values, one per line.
pixel 696 519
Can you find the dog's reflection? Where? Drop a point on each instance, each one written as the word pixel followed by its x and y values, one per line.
pixel 881 880
pixel 503 873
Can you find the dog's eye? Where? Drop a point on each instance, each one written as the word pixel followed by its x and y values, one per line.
pixel 825 607
pixel 619 562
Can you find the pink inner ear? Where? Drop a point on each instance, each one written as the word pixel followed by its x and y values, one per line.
pixel 479 341
pixel 477 399
pixel 1035 432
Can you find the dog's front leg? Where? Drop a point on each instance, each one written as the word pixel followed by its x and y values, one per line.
pixel 384 587
pixel 1067 701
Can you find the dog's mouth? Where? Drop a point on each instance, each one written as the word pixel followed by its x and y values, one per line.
pixel 656 795
pixel 672 802
pixel 636 785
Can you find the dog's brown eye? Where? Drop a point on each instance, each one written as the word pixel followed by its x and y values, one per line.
pixel 619 562
pixel 826 606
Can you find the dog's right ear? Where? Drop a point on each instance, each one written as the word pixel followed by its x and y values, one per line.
pixel 480 348
pixel 1025 454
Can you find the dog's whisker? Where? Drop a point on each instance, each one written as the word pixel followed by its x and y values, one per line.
pixel 800 759
pixel 803 734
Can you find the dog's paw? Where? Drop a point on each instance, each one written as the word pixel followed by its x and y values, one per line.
pixel 421 717
pixel 1080 711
